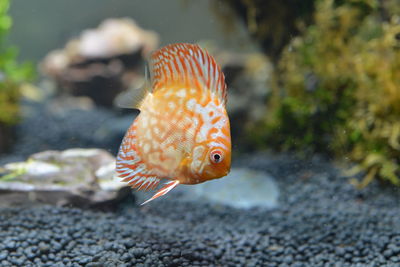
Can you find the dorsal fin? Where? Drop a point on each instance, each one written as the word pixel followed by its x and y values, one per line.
pixel 186 65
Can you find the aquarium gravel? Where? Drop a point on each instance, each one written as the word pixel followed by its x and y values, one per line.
pixel 321 220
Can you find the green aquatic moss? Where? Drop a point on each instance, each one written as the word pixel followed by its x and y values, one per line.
pixel 12 74
pixel 338 88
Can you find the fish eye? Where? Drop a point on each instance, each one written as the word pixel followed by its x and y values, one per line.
pixel 216 156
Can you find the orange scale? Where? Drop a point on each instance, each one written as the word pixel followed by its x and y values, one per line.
pixel 211 131
pixel 215 120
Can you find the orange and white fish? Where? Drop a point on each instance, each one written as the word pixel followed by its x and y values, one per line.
pixel 182 133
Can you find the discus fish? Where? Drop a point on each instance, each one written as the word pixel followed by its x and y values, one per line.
pixel 182 133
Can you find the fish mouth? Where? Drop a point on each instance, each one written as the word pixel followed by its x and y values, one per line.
pixel 215 173
pixel 227 172
pixel 220 174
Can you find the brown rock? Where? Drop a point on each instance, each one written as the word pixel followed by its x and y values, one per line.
pixel 102 62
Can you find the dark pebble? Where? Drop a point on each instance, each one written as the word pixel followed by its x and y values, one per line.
pixel 3 255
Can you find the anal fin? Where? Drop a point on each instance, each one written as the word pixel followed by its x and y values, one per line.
pixel 165 189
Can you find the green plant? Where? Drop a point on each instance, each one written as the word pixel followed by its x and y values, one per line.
pixel 12 74
pixel 338 88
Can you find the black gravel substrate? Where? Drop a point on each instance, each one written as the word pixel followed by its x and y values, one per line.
pixel 321 219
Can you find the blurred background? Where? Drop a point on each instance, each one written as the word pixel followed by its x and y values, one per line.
pixel 314 105
pixel 305 76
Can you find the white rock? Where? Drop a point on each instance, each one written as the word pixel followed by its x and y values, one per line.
pixel 242 188
pixel 115 37
pixel 112 38
pixel 83 177
pixel 33 168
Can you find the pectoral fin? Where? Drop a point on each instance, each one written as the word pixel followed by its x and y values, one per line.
pixel 132 98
